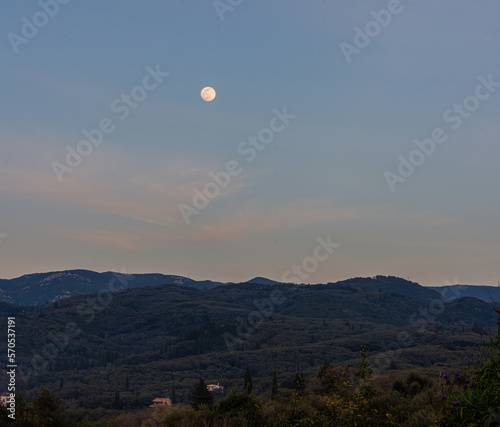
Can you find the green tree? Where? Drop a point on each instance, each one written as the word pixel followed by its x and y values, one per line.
pixel 365 370
pixel 201 395
pixel 299 383
pixel 46 411
pixel 23 417
pixel 274 390
pixel 247 383
pixel 116 403
pixel 172 394
pixel 241 408
pixel 477 329
pixel 476 400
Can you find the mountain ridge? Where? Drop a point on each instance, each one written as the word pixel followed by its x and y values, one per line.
pixel 484 293
pixel 41 288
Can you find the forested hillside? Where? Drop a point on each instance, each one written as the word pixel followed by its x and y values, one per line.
pixel 142 342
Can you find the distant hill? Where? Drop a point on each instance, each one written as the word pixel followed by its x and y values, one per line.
pixel 484 293
pixel 391 284
pixel 40 288
pixel 262 281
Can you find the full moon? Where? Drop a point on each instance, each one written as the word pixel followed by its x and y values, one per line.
pixel 208 94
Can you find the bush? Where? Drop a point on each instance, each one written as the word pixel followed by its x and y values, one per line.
pixel 412 385
pixel 245 406
pixel 475 400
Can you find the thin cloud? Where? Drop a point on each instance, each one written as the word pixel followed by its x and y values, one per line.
pixel 255 218
pixel 102 238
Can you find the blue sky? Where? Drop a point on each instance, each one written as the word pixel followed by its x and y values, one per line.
pixel 322 175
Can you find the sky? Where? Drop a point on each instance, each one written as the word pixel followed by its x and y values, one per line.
pixel 305 166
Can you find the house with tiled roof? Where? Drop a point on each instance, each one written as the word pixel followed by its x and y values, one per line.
pixel 161 401
pixel 212 387
pixel 5 398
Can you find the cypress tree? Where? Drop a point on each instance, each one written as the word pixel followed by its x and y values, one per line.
pixel 274 390
pixel 116 403
pixel 201 395
pixel 247 384
pixel 172 394
pixel 299 382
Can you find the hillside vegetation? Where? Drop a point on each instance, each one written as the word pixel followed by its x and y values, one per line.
pixel 141 343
